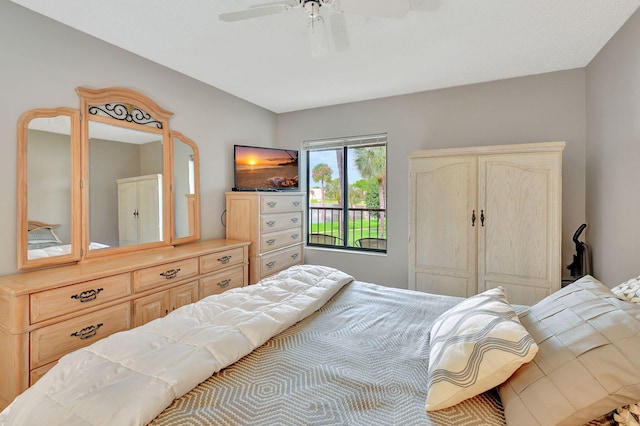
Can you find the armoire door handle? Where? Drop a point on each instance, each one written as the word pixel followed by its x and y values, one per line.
pixel 473 218
pixel 482 217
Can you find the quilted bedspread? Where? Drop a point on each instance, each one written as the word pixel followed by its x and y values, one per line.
pixel 129 378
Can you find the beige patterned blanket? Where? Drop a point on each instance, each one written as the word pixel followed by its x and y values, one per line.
pixel 359 360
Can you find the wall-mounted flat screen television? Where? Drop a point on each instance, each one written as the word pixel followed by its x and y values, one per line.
pixel 265 169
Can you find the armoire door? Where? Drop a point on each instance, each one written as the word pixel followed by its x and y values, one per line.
pixel 484 217
pixel 140 210
pixel 519 235
pixel 149 209
pixel 443 222
pixel 127 213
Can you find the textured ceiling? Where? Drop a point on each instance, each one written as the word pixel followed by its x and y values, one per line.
pixel 268 60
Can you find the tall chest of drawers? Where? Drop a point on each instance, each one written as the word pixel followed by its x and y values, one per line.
pixel 272 221
pixel 48 313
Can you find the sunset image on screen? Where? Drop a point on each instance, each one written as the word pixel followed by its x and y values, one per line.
pixel 265 168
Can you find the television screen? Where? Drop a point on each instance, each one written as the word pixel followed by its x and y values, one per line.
pixel 267 169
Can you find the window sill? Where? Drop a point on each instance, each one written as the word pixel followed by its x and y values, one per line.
pixel 359 252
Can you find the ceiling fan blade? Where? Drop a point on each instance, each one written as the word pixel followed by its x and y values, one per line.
pixel 318 37
pixel 380 8
pixel 339 32
pixel 254 12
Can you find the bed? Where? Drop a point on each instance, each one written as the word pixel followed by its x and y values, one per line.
pixel 311 345
pixel 43 241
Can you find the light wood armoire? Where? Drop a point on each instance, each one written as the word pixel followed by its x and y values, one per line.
pixel 485 217
pixel 140 209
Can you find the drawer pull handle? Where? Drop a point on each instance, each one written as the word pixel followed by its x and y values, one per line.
pixel 271 242
pixel 271 223
pixel 87 332
pixel 224 283
pixel 271 264
pixel 295 236
pixel 87 295
pixel 224 259
pixel 296 203
pixel 294 256
pixel 271 204
pixel 171 273
pixel 294 219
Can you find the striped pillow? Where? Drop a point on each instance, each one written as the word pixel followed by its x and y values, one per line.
pixel 475 346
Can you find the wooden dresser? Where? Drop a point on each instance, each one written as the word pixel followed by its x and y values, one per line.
pixel 273 224
pixel 47 313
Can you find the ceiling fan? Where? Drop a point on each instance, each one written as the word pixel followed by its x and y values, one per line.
pixel 381 8
pixel 312 8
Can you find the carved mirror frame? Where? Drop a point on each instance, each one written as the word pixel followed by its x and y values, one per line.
pixel 190 200
pixel 125 109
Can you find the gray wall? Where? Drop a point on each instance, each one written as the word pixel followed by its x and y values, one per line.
pixel 110 161
pixel 50 177
pixel 613 156
pixel 542 108
pixel 42 64
pixel 44 61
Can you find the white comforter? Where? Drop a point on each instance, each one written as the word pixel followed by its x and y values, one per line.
pixel 59 250
pixel 131 377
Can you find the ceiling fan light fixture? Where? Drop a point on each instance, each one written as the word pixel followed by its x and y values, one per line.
pixel 312 7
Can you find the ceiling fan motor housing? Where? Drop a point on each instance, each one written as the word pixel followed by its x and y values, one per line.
pixel 312 7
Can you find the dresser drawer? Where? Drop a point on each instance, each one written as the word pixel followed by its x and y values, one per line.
pixel 51 342
pixel 35 375
pixel 216 261
pixel 148 278
pixel 281 203
pixel 282 259
pixel 52 303
pixel 276 240
pixel 222 281
pixel 279 221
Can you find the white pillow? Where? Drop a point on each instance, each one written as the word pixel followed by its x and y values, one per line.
pixel 628 290
pixel 475 346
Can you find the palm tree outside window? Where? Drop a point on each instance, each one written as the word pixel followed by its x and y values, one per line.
pixel 347 192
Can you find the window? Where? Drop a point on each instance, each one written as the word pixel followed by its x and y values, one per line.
pixel 347 191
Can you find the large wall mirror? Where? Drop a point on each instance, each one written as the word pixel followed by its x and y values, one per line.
pixel 125 186
pixel 48 187
pixel 186 189
pixel 110 178
pixel 127 197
